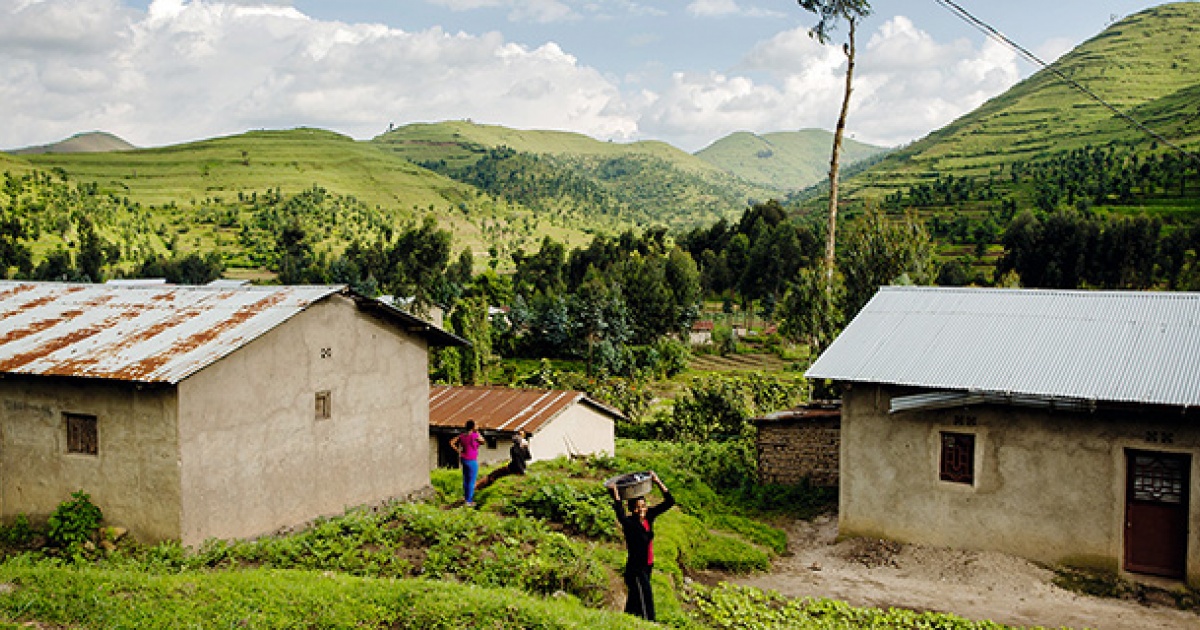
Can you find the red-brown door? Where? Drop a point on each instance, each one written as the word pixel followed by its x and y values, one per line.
pixel 1156 512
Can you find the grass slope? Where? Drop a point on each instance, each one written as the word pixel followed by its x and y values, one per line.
pixel 290 160
pixel 785 160
pixel 13 164
pixel 97 598
pixel 1147 65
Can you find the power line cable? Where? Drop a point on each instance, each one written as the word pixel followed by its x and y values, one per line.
pixel 988 30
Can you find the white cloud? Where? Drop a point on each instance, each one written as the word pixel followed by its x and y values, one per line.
pixel 190 70
pixel 539 11
pixel 905 84
pixel 723 8
pixel 711 8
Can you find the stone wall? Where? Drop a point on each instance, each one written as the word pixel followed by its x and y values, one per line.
pixel 793 450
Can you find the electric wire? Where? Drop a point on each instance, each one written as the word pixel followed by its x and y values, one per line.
pixel 988 30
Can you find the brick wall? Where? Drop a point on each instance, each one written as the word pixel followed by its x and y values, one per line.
pixel 790 451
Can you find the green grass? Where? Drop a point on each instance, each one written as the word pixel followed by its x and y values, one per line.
pixel 111 599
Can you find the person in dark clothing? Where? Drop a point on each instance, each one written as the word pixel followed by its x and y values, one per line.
pixel 638 527
pixel 518 454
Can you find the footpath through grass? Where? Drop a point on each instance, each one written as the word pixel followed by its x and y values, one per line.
pixel 542 551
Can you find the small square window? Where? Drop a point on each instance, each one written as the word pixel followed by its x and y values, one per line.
pixel 324 405
pixel 82 435
pixel 958 458
pixel 490 440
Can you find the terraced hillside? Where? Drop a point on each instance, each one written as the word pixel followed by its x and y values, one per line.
pixel 738 363
pixel 1147 65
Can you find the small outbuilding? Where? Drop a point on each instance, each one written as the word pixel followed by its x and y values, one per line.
pixel 562 422
pixel 1060 426
pixel 800 446
pixel 191 412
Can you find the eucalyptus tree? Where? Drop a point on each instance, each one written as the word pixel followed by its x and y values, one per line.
pixel 829 13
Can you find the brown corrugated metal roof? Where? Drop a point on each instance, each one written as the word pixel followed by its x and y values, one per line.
pixel 140 332
pixel 503 408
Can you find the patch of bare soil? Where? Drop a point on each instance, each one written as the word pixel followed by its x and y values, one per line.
pixel 971 584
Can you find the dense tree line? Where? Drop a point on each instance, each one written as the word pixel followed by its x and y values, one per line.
pixel 528 180
pixel 755 258
pixel 1067 249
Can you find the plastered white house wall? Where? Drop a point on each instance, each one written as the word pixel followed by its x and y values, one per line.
pixel 255 456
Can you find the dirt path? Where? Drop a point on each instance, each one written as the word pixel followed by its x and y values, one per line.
pixel 975 585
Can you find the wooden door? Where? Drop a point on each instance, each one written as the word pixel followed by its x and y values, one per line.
pixel 1156 512
pixel 447 456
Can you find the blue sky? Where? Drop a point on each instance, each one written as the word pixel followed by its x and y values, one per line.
pixel 686 72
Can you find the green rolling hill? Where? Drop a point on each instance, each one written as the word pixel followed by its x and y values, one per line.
pixel 617 184
pixel 1147 65
pixel 785 160
pixel 291 160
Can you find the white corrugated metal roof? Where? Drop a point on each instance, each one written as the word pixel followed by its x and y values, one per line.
pixel 1116 346
pixel 139 332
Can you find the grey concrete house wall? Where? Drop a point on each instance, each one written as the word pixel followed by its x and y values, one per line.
pixel 1048 485
pixel 134 475
pixel 252 445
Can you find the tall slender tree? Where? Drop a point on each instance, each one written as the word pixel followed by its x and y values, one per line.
pixel 829 13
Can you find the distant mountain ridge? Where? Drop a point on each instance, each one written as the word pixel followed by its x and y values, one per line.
pixel 784 160
pixel 88 142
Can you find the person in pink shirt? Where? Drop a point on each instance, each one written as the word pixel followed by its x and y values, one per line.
pixel 467 444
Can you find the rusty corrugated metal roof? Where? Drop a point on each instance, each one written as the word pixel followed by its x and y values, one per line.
pixel 812 411
pixel 140 333
pixel 1111 346
pixel 503 408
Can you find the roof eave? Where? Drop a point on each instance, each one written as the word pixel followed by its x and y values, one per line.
pixel 432 334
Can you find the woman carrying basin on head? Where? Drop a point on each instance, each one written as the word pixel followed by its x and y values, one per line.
pixel 638 527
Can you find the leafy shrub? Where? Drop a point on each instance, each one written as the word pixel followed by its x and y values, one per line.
pixel 722 406
pixel 74 522
pixel 19 534
pixel 584 510
pixel 731 607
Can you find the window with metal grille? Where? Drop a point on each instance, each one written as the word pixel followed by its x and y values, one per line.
pixel 1158 478
pixel 82 435
pixel 324 405
pixel 958 458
